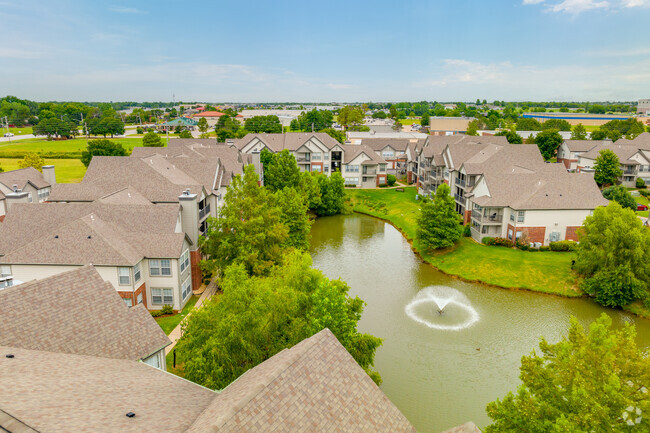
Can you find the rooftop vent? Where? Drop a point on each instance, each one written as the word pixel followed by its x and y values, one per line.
pixel 9 355
pixel 89 237
pixel 186 192
pixel 130 414
pixel 56 236
pixel 15 188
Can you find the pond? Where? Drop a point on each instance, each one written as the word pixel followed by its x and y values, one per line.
pixel 442 368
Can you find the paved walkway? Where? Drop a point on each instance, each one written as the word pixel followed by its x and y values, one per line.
pixel 176 334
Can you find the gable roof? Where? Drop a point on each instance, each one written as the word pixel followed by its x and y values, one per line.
pixel 82 233
pixel 624 150
pixel 290 140
pixel 209 114
pixel 351 151
pixel 77 312
pixel 582 145
pixel 21 178
pixel 314 386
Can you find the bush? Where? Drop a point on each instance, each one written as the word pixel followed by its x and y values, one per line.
pixel 167 309
pixel 156 313
pixel 383 185
pixel 502 242
pixel 487 240
pixel 644 193
pixel 350 186
pixel 467 232
pixel 563 246
pixel 640 183
pixel 522 246
pixel 614 287
pixel 391 179
pixel 545 248
pixel 139 130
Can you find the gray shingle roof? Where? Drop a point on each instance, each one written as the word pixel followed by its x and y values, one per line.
pixel 351 151
pixel 21 177
pixel 83 233
pixel 582 145
pixel 77 312
pixel 291 140
pixel 624 150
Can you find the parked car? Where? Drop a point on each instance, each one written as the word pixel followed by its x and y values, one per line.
pixel 640 206
pixel 9 134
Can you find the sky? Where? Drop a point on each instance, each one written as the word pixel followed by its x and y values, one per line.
pixel 325 51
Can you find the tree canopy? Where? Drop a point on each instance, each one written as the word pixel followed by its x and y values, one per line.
pixel 269 124
pixel 607 168
pixel 438 225
pixel 255 318
pixel 151 139
pixel 559 124
pixel 528 124
pixel 281 171
pixel 350 116
pixel 32 160
pixel 101 147
pixel 587 382
pixel 621 195
pixel 548 142
pixel 578 132
pixel 332 189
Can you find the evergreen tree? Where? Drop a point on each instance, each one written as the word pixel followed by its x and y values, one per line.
pixel 151 139
pixel 578 132
pixel 438 223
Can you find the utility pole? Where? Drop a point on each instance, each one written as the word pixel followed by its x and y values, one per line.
pixel 85 126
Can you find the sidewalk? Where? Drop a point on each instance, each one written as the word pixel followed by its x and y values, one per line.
pixel 177 333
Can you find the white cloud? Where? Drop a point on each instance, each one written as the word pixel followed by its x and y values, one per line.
pixel 575 7
pixel 126 10
pixel 635 3
pixel 532 2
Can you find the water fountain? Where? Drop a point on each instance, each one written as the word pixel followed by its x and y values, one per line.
pixel 442 308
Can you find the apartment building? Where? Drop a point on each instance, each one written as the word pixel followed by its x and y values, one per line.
pixel 141 249
pixel 77 312
pixel 395 151
pixel 363 167
pixel 314 386
pixel 633 155
pixel 26 185
pixel 570 151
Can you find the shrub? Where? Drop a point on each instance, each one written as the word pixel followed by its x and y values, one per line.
pixel 391 179
pixel 383 185
pixel 139 130
pixel 545 248
pixel 522 246
pixel 156 313
pixel 487 240
pixel 167 309
pixel 614 287
pixel 467 232
pixel 644 193
pixel 502 242
pixel 563 246
pixel 640 183
pixel 351 186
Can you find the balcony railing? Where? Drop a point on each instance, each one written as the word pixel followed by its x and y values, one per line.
pixel 205 212
pixel 460 182
pixel 629 171
pixel 487 219
pixel 460 199
pixel 369 171
pixel 302 159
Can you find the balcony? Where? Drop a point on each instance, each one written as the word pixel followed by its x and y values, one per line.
pixel 303 160
pixel 369 170
pixel 629 171
pixel 460 199
pixel 205 212
pixel 460 182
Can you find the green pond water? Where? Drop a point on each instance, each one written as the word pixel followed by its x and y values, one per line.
pixel 437 377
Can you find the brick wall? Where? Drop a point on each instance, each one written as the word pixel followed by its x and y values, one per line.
pixel 572 233
pixel 133 296
pixel 195 258
pixel 381 179
pixel 2 218
pixel 467 217
pixel 567 162
pixel 535 234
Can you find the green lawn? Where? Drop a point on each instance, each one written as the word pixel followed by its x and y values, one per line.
pixel 409 121
pixel 19 131
pixel 75 145
pixel 547 272
pixel 67 170
pixel 168 323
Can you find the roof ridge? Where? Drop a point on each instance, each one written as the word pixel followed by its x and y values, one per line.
pixel 110 242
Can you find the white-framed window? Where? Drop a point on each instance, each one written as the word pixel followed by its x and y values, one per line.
pixel 315 156
pixel 352 168
pixel 162 296
pixel 185 260
pixel 327 156
pixel 512 216
pixel 5 270
pixel 186 288
pixel 158 267
pixel 43 193
pixel 520 216
pixel 387 154
pixel 124 275
pixel 382 168
pixel 351 180
pixel 137 273
pixel 6 282
pixel 327 169
pixel 29 197
pixel 128 302
pixel 139 298
pixel 316 168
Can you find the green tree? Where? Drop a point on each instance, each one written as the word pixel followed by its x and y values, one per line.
pixel 255 318
pixel 438 223
pixel 528 124
pixel 282 171
pixel 336 135
pixel 381 114
pixel 101 147
pixel 607 168
pixel 332 190
pixel 32 160
pixel 613 243
pixel 593 382
pixel 424 121
pixel 294 206
pixel 294 125
pixel 249 231
pixel 268 124
pixel 473 127
pixel 621 195
pixel 511 136
pixel 350 116
pixel 578 132
pixel 203 125
pixel 185 134
pixel 559 124
pixel 151 139
pixel 315 120
pixel 548 142
pixel 310 188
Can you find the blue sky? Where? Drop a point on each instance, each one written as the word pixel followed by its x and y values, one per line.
pixel 343 51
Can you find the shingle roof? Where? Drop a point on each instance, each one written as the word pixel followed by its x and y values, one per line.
pixel 82 233
pixel 505 159
pixel 351 151
pixel 64 393
pixel 624 150
pixel 77 312
pixel 582 145
pixel 21 177
pixel 378 144
pixel 290 141
pixel 314 386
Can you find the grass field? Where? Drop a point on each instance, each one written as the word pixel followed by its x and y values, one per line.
pixel 168 323
pixel 75 145
pixel 18 131
pixel 409 121
pixel 67 170
pixel 547 272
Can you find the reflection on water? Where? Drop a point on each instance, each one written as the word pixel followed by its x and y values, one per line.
pixel 438 378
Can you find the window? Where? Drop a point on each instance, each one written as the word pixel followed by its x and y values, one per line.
pixel 139 298
pixel 186 288
pixel 315 156
pixel 162 296
pixel 327 156
pixel 327 169
pixel 387 154
pixel 382 168
pixel 29 197
pixel 351 180
pixel 512 216
pixel 136 273
pixel 520 216
pixel 5 270
pixel 128 302
pixel 352 168
pixel 316 168
pixel 160 267
pixel 185 260
pixel 43 194
pixel 6 282
pixel 124 276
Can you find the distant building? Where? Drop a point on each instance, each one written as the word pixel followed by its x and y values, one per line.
pixel 575 118
pixel 26 185
pixel 448 125
pixel 643 107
